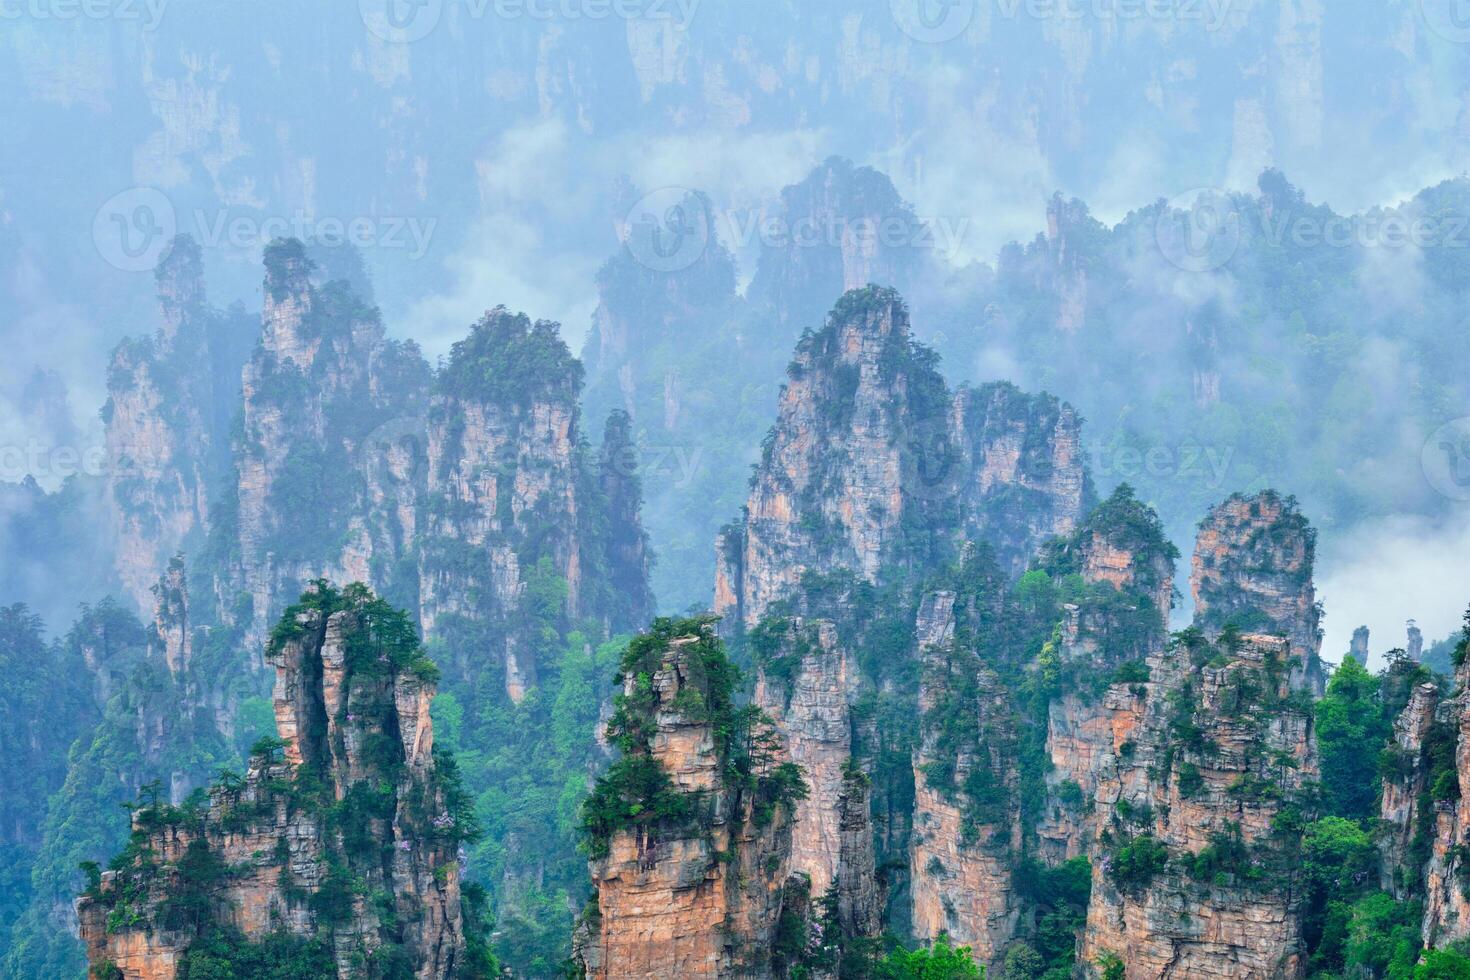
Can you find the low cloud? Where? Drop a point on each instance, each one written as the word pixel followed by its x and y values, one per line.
pixel 1388 571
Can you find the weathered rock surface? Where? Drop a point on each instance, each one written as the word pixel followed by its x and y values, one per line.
pixel 960 870
pixel 870 446
pixel 508 486
pixel 1433 743
pixel 832 840
pixel 1253 567
pixel 694 898
pixel 170 397
pixel 325 483
pixel 356 807
pixel 1405 785
pixel 1216 741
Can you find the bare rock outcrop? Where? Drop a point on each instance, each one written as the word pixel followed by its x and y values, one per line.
pixel 1253 567
pixel 343 834
pixel 168 409
pixel 1190 876
pixel 691 828
pixel 874 466
pixel 807 685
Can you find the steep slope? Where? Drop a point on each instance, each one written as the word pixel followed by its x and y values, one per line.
pixel 350 802
pixel 690 829
pixel 695 364
pixel 875 467
pixel 171 399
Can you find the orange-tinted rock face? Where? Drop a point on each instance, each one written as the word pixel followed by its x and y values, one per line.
pixel 274 835
pixel 702 900
pixel 1253 566
pixel 1239 918
pixel 832 834
pixel 960 876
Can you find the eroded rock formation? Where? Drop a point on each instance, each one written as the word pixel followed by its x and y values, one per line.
pixel 1253 567
pixel 325 482
pixel 874 466
pixel 1191 876
pixel 691 828
pixel 170 399
pixel 343 836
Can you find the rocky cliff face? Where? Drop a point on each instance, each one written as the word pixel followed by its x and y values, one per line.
pixel 513 500
pixel 170 397
pixel 876 474
pixel 1253 567
pixel 1107 635
pixel 324 487
pixel 961 857
pixel 470 496
pixel 1406 785
pixel 807 685
pixel 1188 770
pixel 691 828
pixel 874 466
pixel 1426 820
pixel 344 839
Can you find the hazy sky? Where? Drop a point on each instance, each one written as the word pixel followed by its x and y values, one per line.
pixel 485 145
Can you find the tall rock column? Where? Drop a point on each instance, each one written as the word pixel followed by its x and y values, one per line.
pixel 166 435
pixel 1437 763
pixel 356 804
pixel 1113 631
pixel 503 491
pixel 1190 877
pixel 1406 784
pixel 875 467
pixel 960 861
pixel 690 830
pixel 807 684
pixel 324 484
pixel 1253 567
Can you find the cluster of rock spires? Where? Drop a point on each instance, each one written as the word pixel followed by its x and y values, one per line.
pixel 253 459
pixel 1171 763
pixel 902 547
pixel 353 463
pixel 344 831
